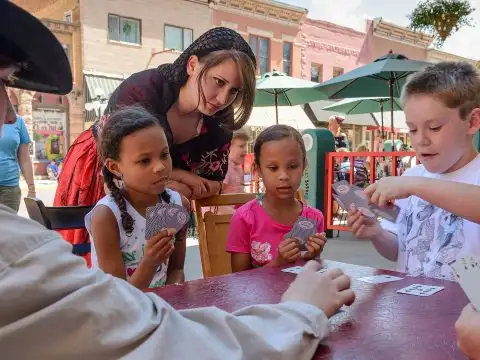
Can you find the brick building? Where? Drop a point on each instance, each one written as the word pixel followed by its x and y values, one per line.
pixel 328 49
pixel 54 121
pixel 106 41
pixel 271 28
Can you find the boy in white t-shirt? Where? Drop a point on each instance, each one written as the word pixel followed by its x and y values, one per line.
pixel 436 225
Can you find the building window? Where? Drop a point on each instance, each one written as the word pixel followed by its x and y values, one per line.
pixel 287 58
pixel 337 71
pixel 124 29
pixel 261 49
pixel 177 38
pixel 316 73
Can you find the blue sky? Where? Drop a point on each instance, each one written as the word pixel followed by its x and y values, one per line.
pixel 353 13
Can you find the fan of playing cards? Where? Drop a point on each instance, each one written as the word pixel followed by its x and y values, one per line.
pixel 351 197
pixel 165 216
pixel 302 230
pixel 467 272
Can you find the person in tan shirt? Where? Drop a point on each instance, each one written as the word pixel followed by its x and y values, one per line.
pixel 54 307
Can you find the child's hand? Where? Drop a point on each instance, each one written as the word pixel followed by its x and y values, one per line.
pixel 159 248
pixel 468 332
pixel 288 251
pixel 315 244
pixel 390 188
pixel 362 227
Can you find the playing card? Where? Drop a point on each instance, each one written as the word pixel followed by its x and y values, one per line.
pixel 155 220
pixel 467 272
pixel 176 216
pixel 420 290
pixel 299 269
pixel 351 197
pixel 379 279
pixel 302 230
pixel 293 270
pixel 165 216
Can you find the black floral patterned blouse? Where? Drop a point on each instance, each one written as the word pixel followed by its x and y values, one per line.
pixel 206 154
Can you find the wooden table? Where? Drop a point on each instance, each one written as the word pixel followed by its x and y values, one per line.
pixel 380 325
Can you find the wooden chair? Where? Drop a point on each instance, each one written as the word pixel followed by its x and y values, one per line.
pixel 60 218
pixel 213 231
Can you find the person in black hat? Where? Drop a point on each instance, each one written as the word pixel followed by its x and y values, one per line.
pixel 199 100
pixel 53 307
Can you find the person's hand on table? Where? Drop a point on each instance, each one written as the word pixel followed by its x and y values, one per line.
pixel 468 332
pixel 328 291
pixel 314 245
pixel 361 226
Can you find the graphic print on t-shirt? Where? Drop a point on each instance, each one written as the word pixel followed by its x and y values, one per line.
pixel 430 238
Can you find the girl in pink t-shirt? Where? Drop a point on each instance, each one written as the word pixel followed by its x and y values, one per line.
pixel 258 228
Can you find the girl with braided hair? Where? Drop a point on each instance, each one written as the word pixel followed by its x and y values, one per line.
pixel 136 166
pixel 199 100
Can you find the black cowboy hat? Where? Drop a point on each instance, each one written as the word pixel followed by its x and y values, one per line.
pixel 43 63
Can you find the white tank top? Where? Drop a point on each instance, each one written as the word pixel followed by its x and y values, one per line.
pixel 131 245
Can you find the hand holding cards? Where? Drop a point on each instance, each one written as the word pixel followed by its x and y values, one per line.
pixel 302 230
pixel 165 216
pixel 158 248
pixel 467 272
pixel 351 197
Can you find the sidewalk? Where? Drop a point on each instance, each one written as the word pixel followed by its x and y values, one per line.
pixel 39 184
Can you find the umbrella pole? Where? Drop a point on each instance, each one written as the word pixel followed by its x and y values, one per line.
pixel 381 113
pixel 276 108
pixel 391 113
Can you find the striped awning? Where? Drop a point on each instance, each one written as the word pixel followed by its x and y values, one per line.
pixel 92 82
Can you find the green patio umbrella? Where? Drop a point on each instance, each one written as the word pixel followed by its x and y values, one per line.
pixel 278 89
pixel 383 77
pixel 365 105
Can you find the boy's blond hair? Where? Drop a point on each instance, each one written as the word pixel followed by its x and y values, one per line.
pixel 455 84
pixel 362 148
pixel 241 134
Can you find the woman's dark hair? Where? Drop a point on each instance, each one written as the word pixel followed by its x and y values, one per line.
pixel 120 124
pixel 275 133
pixel 212 48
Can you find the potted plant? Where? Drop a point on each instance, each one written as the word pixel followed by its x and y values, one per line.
pixel 441 18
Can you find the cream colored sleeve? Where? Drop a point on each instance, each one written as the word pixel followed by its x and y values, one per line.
pixel 53 307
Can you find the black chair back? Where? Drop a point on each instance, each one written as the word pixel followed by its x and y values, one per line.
pixel 60 218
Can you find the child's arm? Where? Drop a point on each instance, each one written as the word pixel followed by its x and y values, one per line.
pixel 106 236
pixel 385 242
pixel 459 198
pixel 240 262
pixel 175 273
pixel 107 245
pixel 238 243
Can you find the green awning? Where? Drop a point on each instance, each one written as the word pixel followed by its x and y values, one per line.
pixel 94 82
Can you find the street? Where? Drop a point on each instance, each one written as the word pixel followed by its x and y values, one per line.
pixel 344 248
